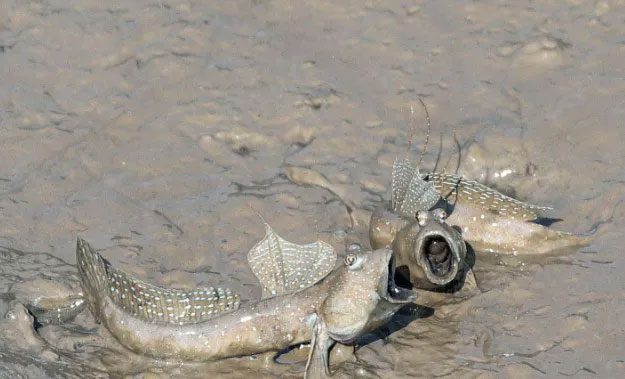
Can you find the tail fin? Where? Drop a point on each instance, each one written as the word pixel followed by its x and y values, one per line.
pixel 143 300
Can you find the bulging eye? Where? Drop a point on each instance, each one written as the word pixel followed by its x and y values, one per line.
pixel 422 217
pixel 353 262
pixel 439 214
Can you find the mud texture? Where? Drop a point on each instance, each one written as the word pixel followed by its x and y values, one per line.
pixel 157 130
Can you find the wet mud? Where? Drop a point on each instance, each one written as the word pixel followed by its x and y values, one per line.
pixel 158 130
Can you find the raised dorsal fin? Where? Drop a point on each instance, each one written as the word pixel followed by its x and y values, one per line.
pixel 283 267
pixel 410 192
pixel 400 179
pixel 146 301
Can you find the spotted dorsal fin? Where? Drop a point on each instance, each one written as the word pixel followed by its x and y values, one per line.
pixel 146 301
pixel 400 179
pixel 409 192
pixel 283 267
pixel 455 188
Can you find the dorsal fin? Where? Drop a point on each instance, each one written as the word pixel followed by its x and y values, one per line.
pixel 410 193
pixel 283 267
pixel 146 301
pixel 455 188
pixel 420 196
pixel 400 179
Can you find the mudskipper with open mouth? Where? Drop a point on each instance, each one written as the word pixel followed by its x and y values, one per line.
pixel 430 215
pixel 304 299
pixel 488 219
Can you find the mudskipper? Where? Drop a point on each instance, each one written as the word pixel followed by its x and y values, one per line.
pixel 304 299
pixel 487 219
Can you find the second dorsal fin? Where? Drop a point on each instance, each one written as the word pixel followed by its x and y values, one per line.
pixel 145 301
pixel 456 188
pixel 284 267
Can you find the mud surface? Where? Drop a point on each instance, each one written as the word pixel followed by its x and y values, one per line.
pixel 156 130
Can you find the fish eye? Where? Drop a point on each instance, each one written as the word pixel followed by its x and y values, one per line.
pixel 353 262
pixel 439 214
pixel 422 217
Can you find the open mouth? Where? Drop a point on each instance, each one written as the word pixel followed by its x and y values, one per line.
pixel 438 256
pixel 439 250
pixel 396 294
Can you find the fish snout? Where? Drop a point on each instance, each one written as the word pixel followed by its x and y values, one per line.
pixel 439 250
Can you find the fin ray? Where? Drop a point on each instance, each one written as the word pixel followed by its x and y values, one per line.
pixel 284 267
pixel 420 196
pixel 479 194
pixel 146 301
pixel 409 191
pixel 400 180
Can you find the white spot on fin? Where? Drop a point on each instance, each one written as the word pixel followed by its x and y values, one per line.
pixel 284 267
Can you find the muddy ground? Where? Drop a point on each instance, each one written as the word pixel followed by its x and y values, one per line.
pixel 156 130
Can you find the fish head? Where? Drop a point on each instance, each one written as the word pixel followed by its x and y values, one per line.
pixel 384 225
pixel 363 295
pixel 435 252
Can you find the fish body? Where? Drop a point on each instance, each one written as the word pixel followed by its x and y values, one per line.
pixel 50 301
pixel 491 221
pixel 488 219
pixel 351 300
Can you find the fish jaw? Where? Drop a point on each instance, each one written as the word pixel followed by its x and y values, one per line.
pixel 389 230
pixel 390 291
pixel 413 245
pixel 453 252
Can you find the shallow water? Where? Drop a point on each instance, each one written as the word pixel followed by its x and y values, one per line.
pixel 156 130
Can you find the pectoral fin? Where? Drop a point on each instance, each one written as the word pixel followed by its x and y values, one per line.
pixel 318 365
pixel 470 286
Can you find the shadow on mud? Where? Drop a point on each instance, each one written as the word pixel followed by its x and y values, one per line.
pixel 400 320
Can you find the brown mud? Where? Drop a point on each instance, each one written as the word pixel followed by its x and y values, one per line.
pixel 156 130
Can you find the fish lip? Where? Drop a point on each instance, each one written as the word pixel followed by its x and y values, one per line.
pixel 393 293
pixel 457 251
